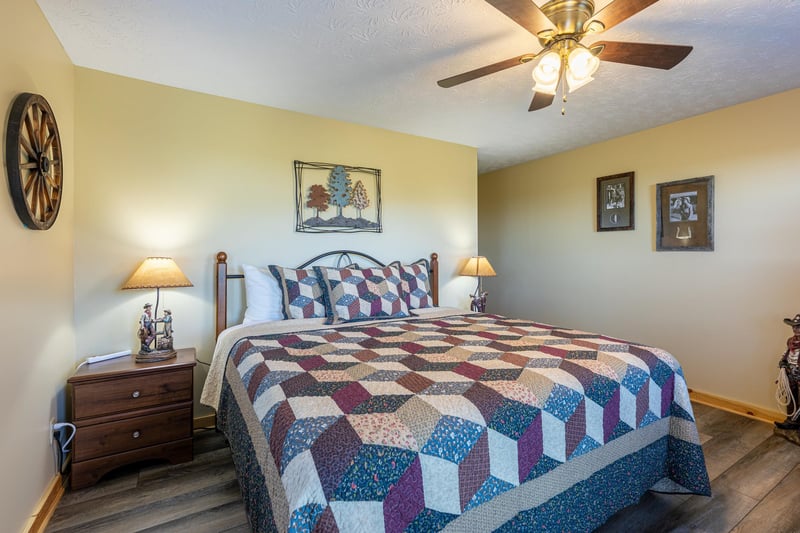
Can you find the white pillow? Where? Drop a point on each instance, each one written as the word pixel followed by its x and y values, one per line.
pixel 262 294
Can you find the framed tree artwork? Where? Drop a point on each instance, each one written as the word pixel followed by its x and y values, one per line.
pixel 337 198
pixel 685 215
pixel 615 202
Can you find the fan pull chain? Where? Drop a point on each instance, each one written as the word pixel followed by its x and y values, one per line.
pixel 564 101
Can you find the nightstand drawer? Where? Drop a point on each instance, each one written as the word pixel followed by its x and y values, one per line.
pixel 114 437
pixel 106 397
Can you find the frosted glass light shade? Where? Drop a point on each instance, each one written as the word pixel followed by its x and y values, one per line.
pixel 575 83
pixel 547 73
pixel 157 272
pixel 581 64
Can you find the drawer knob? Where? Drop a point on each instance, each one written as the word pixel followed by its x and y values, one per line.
pixel 136 434
pixel 135 394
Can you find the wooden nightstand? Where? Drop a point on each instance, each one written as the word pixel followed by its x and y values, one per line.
pixel 126 412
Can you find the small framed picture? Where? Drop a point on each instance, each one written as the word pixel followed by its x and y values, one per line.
pixel 685 215
pixel 615 202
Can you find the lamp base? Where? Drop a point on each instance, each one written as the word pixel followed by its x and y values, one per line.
pixel 478 303
pixel 155 355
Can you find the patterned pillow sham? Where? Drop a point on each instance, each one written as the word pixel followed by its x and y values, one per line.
pixel 302 292
pixel 415 282
pixel 362 294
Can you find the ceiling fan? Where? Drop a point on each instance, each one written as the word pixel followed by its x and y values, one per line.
pixel 564 62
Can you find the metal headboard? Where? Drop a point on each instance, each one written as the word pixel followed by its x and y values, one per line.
pixel 222 276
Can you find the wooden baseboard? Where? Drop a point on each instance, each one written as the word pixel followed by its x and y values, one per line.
pixel 55 489
pixel 739 408
pixel 205 421
pixel 46 506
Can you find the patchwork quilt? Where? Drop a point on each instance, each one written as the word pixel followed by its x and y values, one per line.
pixel 469 422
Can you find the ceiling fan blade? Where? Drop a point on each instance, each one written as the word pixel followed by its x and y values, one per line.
pixel 484 71
pixel 619 10
pixel 663 56
pixel 525 13
pixel 541 100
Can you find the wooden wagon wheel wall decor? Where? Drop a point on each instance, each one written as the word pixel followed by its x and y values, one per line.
pixel 33 161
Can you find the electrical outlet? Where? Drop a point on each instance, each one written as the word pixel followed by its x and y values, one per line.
pixel 51 432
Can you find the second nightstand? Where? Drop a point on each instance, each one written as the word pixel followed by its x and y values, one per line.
pixel 126 412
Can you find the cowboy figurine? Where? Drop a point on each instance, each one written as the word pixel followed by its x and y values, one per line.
pixel 165 342
pixel 167 320
pixel 790 368
pixel 147 329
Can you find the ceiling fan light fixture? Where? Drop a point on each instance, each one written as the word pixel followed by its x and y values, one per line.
pixel 546 89
pixel 582 63
pixel 576 83
pixel 595 26
pixel 547 73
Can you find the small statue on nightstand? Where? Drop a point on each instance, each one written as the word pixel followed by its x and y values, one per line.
pixel 789 377
pixel 165 342
pixel 148 333
pixel 147 329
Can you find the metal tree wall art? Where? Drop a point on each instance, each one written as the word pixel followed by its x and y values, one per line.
pixel 360 199
pixel 327 200
pixel 340 190
pixel 318 198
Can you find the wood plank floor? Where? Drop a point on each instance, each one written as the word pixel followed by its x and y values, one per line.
pixel 755 481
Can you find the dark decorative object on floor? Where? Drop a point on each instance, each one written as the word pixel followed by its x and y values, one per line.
pixel 789 378
pixel 155 273
pixel 792 435
pixel 320 186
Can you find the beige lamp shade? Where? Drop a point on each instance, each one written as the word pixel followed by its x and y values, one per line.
pixel 478 266
pixel 157 272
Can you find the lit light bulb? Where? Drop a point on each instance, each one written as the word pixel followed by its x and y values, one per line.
pixel 581 64
pixel 547 73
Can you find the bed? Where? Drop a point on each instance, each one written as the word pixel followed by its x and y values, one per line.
pixel 432 418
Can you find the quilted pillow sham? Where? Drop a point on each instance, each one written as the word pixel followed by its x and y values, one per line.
pixel 302 292
pixel 362 294
pixel 415 283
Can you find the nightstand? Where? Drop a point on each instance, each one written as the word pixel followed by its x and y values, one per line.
pixel 126 412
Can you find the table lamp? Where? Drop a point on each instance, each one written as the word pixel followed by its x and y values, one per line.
pixel 480 267
pixel 155 273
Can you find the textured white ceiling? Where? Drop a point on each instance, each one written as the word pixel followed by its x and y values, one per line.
pixel 376 62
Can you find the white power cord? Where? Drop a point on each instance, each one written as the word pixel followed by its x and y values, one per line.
pixel 61 425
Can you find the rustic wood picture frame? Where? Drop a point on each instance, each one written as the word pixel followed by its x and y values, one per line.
pixel 685 215
pixel 615 202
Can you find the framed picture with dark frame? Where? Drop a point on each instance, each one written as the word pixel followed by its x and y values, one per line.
pixel 685 215
pixel 615 202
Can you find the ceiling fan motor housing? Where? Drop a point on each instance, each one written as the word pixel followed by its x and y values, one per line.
pixel 569 16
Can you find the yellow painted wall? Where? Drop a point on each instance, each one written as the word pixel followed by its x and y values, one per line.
pixel 165 171
pixel 719 312
pixel 36 282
